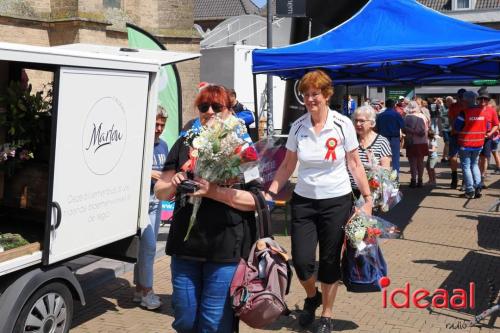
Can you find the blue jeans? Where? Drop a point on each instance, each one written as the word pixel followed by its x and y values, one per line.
pixel 469 161
pixel 201 296
pixel 143 270
pixel 435 125
pixel 394 141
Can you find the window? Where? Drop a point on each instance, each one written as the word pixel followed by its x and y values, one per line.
pixel 463 4
pixel 112 3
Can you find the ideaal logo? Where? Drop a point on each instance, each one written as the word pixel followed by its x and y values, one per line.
pixel 104 135
pixel 439 298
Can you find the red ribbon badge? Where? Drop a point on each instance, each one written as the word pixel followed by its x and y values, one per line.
pixel 331 144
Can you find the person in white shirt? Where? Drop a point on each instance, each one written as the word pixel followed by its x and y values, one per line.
pixel 322 140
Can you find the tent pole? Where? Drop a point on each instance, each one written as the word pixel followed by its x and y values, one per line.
pixel 270 126
pixel 256 107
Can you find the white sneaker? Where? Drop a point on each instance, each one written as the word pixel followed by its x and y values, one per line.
pixel 138 297
pixel 151 301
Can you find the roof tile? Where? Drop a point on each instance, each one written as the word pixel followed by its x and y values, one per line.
pixel 217 9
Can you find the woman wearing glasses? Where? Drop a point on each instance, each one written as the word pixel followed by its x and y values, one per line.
pixel 373 148
pixel 203 265
pixel 323 141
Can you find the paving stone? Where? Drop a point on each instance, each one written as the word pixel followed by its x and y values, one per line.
pixel 445 245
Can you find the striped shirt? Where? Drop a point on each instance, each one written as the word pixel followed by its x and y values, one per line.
pixel 379 148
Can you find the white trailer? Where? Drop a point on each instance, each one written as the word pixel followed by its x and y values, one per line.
pixel 231 66
pixel 99 170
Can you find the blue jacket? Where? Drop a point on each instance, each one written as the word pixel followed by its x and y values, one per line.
pixel 389 123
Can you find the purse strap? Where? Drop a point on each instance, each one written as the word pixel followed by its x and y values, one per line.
pixel 262 215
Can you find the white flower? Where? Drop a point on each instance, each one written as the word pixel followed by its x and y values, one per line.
pixel 359 235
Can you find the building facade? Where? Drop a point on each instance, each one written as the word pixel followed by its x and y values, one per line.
pixel 58 22
pixel 209 13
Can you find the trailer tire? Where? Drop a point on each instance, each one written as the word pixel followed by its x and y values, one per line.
pixel 48 310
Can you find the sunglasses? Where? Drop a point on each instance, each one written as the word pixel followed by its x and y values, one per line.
pixel 203 107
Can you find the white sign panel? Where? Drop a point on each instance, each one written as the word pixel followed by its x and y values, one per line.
pixel 101 121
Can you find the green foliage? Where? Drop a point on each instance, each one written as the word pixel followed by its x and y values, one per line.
pixel 23 115
pixel 11 241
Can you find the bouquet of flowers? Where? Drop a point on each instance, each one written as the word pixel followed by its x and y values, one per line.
pixel 10 153
pixel 362 231
pixel 384 187
pixel 383 183
pixel 218 154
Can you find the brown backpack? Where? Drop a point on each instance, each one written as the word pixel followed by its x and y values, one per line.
pixel 261 282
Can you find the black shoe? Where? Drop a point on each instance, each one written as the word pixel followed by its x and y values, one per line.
pixel 413 183
pixel 469 195
pixel 324 325
pixel 420 183
pixel 310 305
pixel 477 193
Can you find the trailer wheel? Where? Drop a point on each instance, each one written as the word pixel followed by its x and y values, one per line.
pixel 48 310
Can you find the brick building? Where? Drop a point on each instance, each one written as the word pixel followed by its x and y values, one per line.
pixel 57 22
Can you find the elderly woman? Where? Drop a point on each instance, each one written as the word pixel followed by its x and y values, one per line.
pixel 203 265
pixel 373 148
pixel 416 127
pixel 323 141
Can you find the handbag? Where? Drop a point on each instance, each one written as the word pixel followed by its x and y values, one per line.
pixel 261 281
pixel 362 273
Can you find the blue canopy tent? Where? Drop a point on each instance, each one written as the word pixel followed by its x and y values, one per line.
pixel 394 42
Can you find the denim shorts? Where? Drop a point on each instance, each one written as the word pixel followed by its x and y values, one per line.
pixel 432 161
pixel 487 148
pixel 494 145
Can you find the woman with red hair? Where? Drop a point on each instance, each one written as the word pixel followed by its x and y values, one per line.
pixel 325 143
pixel 203 265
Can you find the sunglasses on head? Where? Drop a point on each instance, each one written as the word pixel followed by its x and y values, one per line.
pixel 203 107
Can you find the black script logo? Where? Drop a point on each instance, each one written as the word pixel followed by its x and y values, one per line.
pixel 101 137
pixel 104 135
pixel 459 325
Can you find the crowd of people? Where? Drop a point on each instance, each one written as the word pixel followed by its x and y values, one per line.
pixel 333 151
pixel 468 126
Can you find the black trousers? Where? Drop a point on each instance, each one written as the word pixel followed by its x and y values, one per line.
pixel 319 221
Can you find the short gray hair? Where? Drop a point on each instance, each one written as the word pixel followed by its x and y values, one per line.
pixel 367 111
pixel 413 107
pixel 161 112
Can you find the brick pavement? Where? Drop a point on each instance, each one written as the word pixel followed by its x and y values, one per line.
pixel 447 242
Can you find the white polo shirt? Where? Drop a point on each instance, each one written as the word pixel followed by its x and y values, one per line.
pixel 318 177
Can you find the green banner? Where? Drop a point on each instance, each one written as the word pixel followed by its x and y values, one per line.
pixel 486 82
pixel 169 93
pixel 395 92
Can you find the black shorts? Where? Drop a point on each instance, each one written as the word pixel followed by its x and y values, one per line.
pixel 319 221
